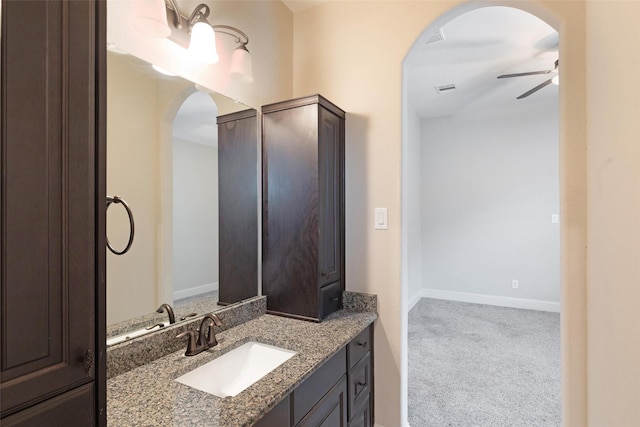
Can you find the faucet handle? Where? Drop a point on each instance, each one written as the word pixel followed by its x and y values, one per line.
pixel 188 315
pixel 192 349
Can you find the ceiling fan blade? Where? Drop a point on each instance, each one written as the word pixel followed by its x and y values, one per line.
pixel 535 89
pixel 530 73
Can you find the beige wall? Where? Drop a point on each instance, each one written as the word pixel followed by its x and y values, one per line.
pixel 352 53
pixel 132 119
pixel 613 95
pixel 137 106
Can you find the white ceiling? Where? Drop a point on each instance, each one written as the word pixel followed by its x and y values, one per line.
pixel 477 47
pixel 298 5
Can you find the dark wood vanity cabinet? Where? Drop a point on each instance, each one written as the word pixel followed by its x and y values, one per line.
pixel 52 214
pixel 238 206
pixel 360 379
pixel 338 394
pixel 303 207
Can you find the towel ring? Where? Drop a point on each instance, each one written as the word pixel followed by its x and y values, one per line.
pixel 118 199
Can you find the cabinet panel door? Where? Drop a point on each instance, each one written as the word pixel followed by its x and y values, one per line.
pixel 362 416
pixel 307 394
pixel 331 190
pixel 331 410
pixel 47 208
pixel 238 206
pixel 290 210
pixel 279 416
pixel 359 382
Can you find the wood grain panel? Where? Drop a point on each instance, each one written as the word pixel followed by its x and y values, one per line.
pixel 303 207
pixel 32 175
pixel 331 410
pixel 72 409
pixel 330 149
pixel 291 211
pixel 238 206
pixel 48 204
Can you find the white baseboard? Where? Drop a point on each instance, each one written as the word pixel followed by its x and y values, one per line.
pixel 196 290
pixel 528 304
pixel 380 425
pixel 413 300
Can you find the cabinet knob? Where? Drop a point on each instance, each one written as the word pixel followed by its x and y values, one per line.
pixel 362 343
pixel 88 361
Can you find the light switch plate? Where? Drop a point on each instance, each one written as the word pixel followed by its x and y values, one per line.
pixel 380 221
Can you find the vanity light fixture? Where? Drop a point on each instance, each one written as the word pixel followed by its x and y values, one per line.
pixel 150 18
pixel 198 35
pixel 202 44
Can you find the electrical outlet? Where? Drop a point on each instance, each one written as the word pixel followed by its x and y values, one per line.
pixel 515 284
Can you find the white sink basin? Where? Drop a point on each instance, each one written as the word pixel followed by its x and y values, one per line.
pixel 236 370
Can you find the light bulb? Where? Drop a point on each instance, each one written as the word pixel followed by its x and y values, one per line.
pixel 203 43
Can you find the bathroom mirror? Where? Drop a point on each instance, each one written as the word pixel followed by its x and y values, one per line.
pixel 162 160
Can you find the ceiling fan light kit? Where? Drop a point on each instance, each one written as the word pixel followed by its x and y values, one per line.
pixel 555 79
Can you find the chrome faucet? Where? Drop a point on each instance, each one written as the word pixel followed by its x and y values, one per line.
pixel 206 337
pixel 167 307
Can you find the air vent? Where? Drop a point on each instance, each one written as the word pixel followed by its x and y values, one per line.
pixel 438 36
pixel 446 88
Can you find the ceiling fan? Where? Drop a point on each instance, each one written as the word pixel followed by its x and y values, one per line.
pixel 532 73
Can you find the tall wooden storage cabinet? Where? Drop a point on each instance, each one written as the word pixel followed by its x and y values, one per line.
pixel 303 207
pixel 238 205
pixel 52 214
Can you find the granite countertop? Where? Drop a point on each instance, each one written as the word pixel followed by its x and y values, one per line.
pixel 149 396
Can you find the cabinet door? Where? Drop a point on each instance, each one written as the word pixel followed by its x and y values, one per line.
pixel 362 416
pixel 238 206
pixel 330 157
pixel 279 416
pixel 331 410
pixel 48 204
pixel 358 385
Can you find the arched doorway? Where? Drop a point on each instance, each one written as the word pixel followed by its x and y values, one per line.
pixel 484 91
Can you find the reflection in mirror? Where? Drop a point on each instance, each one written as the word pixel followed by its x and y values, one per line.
pixel 162 159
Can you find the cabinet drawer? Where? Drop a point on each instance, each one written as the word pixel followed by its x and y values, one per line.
pixel 331 411
pixel 330 299
pixel 359 384
pixel 56 411
pixel 358 346
pixel 362 415
pixel 307 394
